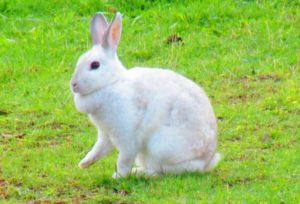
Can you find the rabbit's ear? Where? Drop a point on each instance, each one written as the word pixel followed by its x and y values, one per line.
pixel 98 28
pixel 113 33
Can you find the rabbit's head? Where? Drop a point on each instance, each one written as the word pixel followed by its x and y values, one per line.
pixel 100 66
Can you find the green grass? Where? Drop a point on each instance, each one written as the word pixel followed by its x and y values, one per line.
pixel 245 54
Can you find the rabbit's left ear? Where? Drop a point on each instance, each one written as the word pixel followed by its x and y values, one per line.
pixel 113 33
pixel 98 28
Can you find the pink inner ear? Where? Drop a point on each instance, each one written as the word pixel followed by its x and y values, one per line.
pixel 114 33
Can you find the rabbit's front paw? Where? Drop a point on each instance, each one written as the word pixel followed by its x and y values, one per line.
pixel 85 163
pixel 138 170
pixel 116 175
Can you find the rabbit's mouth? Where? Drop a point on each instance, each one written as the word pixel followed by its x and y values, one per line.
pixel 74 86
pixel 75 89
pixel 81 90
pixel 78 90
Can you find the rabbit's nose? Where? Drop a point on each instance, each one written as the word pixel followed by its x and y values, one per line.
pixel 74 84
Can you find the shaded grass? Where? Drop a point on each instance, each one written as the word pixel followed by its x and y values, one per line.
pixel 244 53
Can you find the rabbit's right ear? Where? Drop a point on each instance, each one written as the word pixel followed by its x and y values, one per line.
pixel 98 28
pixel 113 33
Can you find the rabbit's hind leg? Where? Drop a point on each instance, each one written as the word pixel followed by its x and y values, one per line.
pixel 141 171
pixel 144 166
pixel 195 165
pixel 186 166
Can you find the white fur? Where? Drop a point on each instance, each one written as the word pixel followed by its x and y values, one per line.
pixel 153 116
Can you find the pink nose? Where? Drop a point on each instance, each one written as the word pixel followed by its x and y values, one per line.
pixel 74 84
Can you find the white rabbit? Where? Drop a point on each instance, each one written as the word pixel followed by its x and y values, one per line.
pixel 155 117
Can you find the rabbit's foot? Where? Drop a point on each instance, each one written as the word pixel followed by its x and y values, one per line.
pixel 117 175
pixel 138 170
pixel 84 163
pixel 141 171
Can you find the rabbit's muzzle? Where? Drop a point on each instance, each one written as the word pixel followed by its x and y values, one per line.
pixel 74 86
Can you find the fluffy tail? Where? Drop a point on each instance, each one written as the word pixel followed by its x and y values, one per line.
pixel 213 162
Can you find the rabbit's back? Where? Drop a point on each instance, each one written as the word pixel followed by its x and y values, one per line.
pixel 177 115
pixel 182 101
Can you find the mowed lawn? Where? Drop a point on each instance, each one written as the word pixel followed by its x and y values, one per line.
pixel 245 54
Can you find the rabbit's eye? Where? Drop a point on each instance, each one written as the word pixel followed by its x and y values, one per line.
pixel 95 65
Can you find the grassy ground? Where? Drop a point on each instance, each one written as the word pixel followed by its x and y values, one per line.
pixel 246 55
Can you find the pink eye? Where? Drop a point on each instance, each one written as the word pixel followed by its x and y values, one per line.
pixel 95 65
